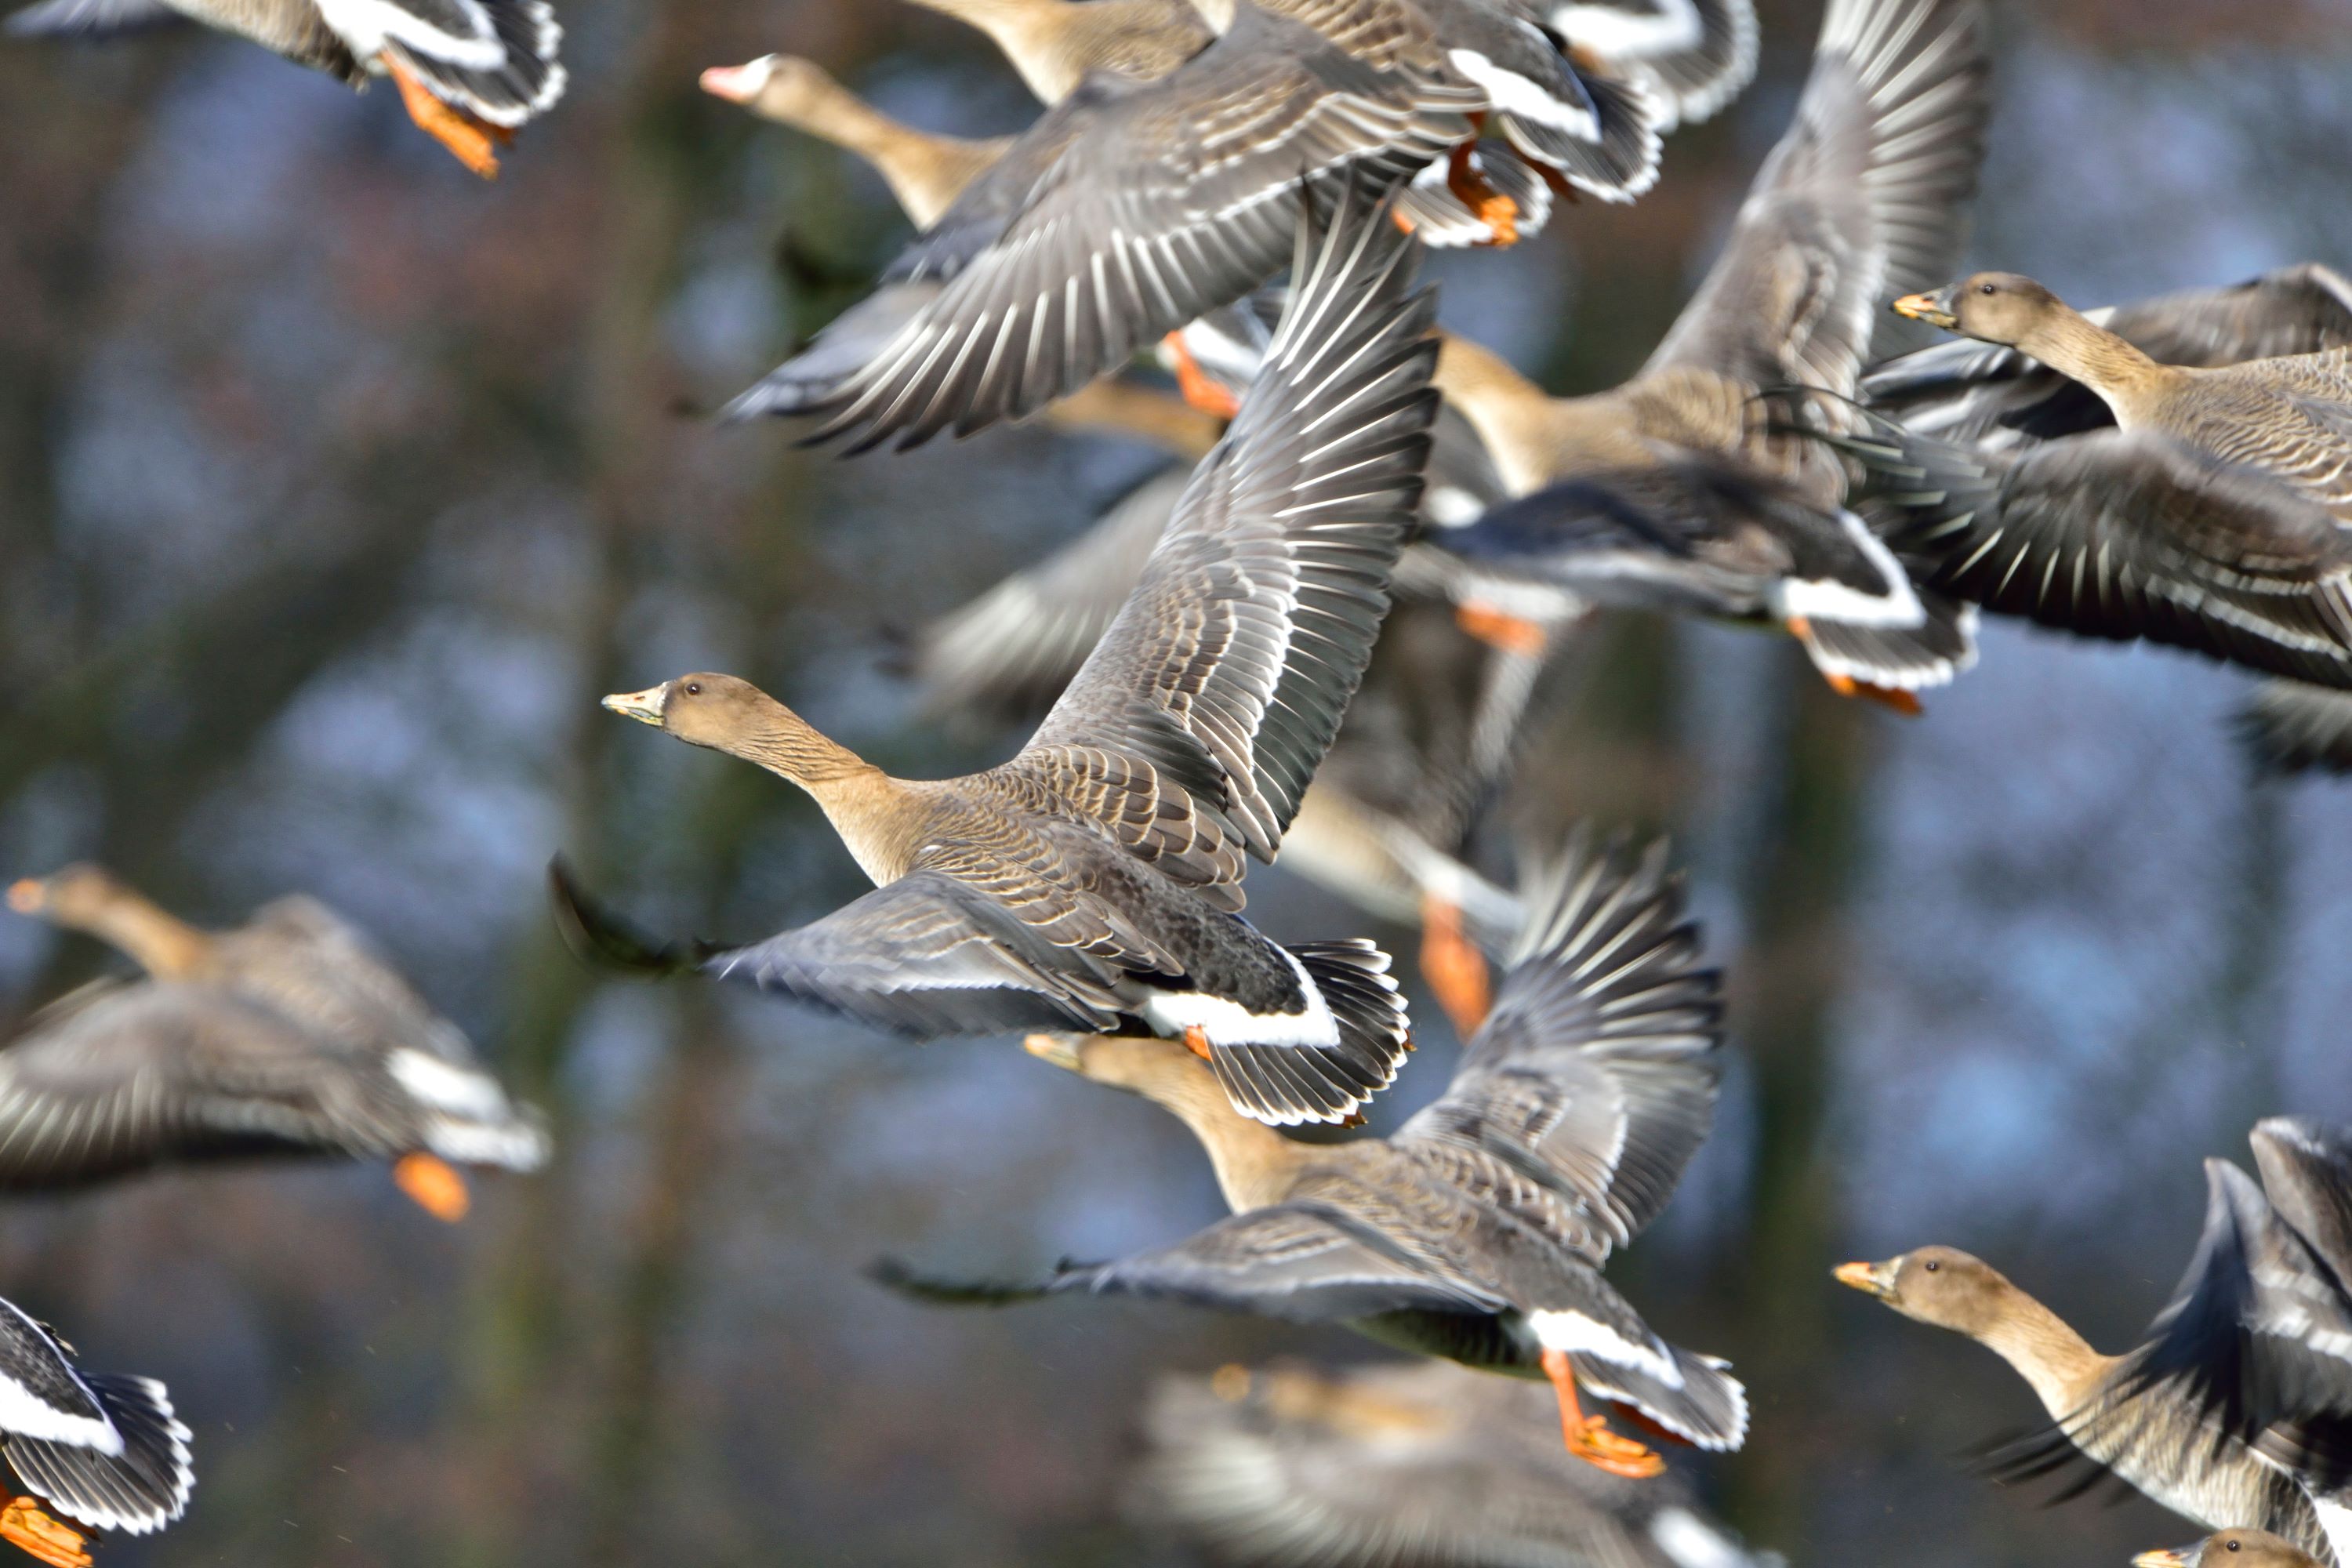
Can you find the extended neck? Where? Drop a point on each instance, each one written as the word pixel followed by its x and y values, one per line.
pixel 1255 1164
pixel 924 171
pixel 162 944
pixel 1028 31
pixel 2059 1364
pixel 1513 416
pixel 2121 374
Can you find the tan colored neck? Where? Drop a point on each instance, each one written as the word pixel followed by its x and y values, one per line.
pixel 162 944
pixel 2047 1353
pixel 1255 1164
pixel 924 171
pixel 2109 366
pixel 1026 30
pixel 1512 415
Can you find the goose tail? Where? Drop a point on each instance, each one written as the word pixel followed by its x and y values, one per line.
pixel 1285 1085
pixel 526 81
pixel 139 1491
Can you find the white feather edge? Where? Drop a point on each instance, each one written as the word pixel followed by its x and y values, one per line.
pixel 1170 1012
pixel 184 1476
pixel 1897 607
pixel 1511 93
pixel 1577 1334
pixel 25 1414
pixel 366 25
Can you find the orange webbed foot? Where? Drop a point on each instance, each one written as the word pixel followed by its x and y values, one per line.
pixel 1904 702
pixel 1196 1040
pixel 24 1525
pixel 1456 971
pixel 1199 388
pixel 469 140
pixel 1498 212
pixel 1588 1436
pixel 434 1186
pixel 1501 629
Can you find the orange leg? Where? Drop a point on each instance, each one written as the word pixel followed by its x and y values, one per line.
pixel 1455 968
pixel 24 1525
pixel 1201 392
pixel 1196 1040
pixel 470 140
pixel 1589 1437
pixel 1904 702
pixel 434 1186
pixel 1501 629
pixel 1498 212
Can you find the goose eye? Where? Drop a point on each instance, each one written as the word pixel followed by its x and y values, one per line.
pixel 1931 1266
pixel 694 688
pixel 1987 288
pixel 2230 1544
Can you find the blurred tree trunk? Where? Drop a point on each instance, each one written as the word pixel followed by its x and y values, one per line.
pixel 1808 864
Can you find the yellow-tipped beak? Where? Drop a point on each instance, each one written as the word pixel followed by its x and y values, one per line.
pixel 1928 307
pixel 26 895
pixel 1870 1279
pixel 645 707
pixel 1062 1050
pixel 2160 1559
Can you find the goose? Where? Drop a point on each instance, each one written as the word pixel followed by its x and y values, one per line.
pixel 2212 516
pixel 1426 740
pixel 1134 208
pixel 1999 400
pixel 1394 1463
pixel 105 1450
pixel 1477 1231
pixel 1056 45
pixel 1094 881
pixel 2232 1549
pixel 469 72
pixel 925 172
pixel 1679 489
pixel 288 1035
pixel 2236 1408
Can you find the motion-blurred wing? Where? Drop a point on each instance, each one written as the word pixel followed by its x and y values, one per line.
pixel 1692 56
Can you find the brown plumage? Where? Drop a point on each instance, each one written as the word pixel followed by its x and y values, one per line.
pixel 2232 1549
pixel 1057 44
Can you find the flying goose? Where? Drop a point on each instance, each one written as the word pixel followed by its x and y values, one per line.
pixel 2232 1549
pixel 469 71
pixel 925 172
pixel 1132 208
pixel 1479 1231
pixel 288 1035
pixel 2212 517
pixel 1680 488
pixel 2237 1409
pixel 1394 1463
pixel 1056 45
pixel 2002 401
pixel 1426 740
pixel 1094 881
pixel 105 1450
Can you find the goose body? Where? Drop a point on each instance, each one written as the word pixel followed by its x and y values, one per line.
pixel 1479 1231
pixel 1680 489
pixel 2204 507
pixel 1056 45
pixel 469 71
pixel 287 1035
pixel 2237 1409
pixel 1133 207
pixel 1390 1464
pixel 1094 881
pixel 106 1451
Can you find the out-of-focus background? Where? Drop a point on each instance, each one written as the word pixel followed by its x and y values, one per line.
pixel 335 485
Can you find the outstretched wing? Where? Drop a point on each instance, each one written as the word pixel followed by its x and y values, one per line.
pixel 1164 201
pixel 2124 535
pixel 1225 674
pixel 1595 1076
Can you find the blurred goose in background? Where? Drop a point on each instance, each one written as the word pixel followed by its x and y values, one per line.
pixel 1426 740
pixel 1095 880
pixel 2003 402
pixel 288 1035
pixel 2212 516
pixel 2238 1406
pixel 469 71
pixel 1381 1466
pixel 105 1450
pixel 1679 489
pixel 1132 208
pixel 1478 1230
pixel 925 172
pixel 2232 1549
